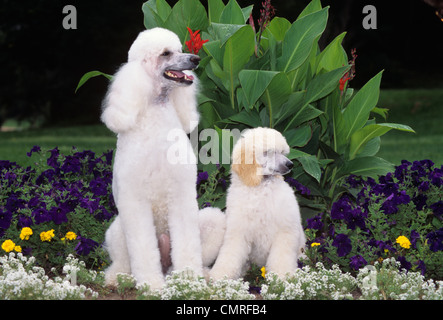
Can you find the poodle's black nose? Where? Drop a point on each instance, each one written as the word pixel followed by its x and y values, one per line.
pixel 195 59
pixel 290 165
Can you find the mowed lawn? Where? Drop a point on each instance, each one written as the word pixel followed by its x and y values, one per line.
pixel 15 145
pixel 422 109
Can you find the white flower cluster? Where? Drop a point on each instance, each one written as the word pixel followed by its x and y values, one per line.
pixel 391 284
pixel 378 282
pixel 20 279
pixel 184 285
pixel 307 283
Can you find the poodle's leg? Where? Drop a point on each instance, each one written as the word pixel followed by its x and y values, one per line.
pixel 232 257
pixel 115 243
pixel 282 257
pixel 138 227
pixel 184 231
pixel 212 231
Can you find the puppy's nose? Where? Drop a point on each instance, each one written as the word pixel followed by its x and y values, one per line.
pixel 195 59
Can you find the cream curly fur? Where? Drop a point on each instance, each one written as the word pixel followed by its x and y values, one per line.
pixel 263 222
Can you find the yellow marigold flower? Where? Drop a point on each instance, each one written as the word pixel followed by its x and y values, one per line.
pixel 47 236
pixel 263 272
pixel 8 245
pixel 314 244
pixel 70 235
pixel 18 249
pixel 25 233
pixel 403 242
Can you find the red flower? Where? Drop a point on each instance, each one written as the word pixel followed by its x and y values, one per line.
pixel 195 43
pixel 343 81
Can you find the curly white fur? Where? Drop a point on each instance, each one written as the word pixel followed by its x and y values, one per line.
pixel 263 219
pixel 154 197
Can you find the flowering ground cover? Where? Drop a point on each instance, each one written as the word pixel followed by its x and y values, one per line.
pixel 53 217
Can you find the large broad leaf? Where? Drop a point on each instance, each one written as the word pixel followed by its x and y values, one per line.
pixel 248 117
pixel 300 38
pixel 215 9
pixel 333 56
pixel 237 52
pixel 313 6
pixel 232 14
pixel 223 31
pixel 155 13
pixel 254 83
pixel 311 166
pixel 275 95
pixel 357 112
pixel 362 136
pixel 365 166
pixel 323 84
pixel 278 27
pixel 187 13
pixel 298 137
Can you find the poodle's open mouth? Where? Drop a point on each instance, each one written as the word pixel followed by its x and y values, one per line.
pixel 178 76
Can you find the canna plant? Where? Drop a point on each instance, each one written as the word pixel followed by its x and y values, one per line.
pixel 275 75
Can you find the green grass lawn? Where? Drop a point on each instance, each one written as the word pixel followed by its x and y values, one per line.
pixel 15 145
pixel 422 109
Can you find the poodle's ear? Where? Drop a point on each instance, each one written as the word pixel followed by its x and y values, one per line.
pixel 184 100
pixel 245 165
pixel 126 96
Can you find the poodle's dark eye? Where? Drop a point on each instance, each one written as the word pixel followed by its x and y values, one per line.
pixel 166 53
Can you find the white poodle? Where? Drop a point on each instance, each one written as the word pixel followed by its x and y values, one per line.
pixel 152 95
pixel 263 219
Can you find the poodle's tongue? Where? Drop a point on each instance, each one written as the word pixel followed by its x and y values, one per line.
pixel 178 75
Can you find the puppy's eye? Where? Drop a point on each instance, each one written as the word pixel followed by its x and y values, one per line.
pixel 166 53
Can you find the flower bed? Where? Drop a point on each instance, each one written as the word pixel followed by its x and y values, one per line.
pixel 399 217
pixel 60 206
pixel 53 218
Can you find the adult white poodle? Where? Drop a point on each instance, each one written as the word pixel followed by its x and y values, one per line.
pixel 263 219
pixel 152 95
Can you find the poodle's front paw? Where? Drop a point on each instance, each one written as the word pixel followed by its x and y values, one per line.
pixel 154 283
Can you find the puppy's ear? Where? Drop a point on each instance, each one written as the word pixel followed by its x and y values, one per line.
pixel 246 167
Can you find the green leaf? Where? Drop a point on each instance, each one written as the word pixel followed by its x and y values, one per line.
pixel 247 11
pixel 155 13
pixel 313 6
pixel 357 112
pixel 232 14
pixel 333 56
pixel 223 32
pixel 213 49
pixel 248 117
pixel 238 50
pixel 311 166
pixel 187 13
pixel 308 112
pixel 254 83
pixel 215 8
pixel 362 136
pixel 275 95
pixel 298 137
pixel 90 75
pixel 299 39
pixel 366 166
pixel 323 84
pixel 278 27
